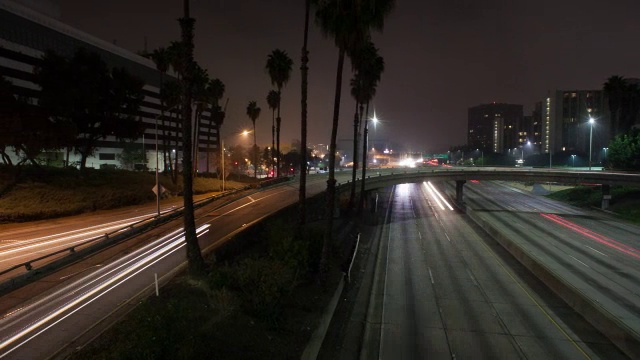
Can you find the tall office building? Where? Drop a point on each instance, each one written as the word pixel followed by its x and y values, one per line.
pixel 565 121
pixel 29 28
pixel 495 127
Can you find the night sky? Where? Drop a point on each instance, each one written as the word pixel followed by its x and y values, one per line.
pixel 441 57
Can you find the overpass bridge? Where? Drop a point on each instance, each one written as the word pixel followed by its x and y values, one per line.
pixel 605 179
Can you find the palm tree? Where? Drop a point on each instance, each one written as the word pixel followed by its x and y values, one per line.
pixel 171 94
pixel 273 99
pixel 215 91
pixel 194 254
pixel 371 67
pixel 279 67
pixel 347 22
pixel 160 58
pixel 304 71
pixel 368 67
pixel 253 112
pixel 199 84
pixel 614 89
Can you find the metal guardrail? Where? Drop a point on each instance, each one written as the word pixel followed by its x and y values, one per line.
pixel 122 233
pixel 93 245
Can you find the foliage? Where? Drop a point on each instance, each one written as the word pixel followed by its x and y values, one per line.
pixel 243 310
pixel 131 154
pixel 49 192
pixel 279 66
pixel 27 128
pixel 624 103
pixel 91 98
pixel 624 151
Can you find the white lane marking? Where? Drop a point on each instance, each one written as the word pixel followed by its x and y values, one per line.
pixel 447 236
pixel 473 279
pixel 125 274
pixel 578 261
pixel 420 235
pixel 431 276
pixel 601 253
pixel 250 198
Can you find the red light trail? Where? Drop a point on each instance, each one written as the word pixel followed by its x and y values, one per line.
pixel 595 236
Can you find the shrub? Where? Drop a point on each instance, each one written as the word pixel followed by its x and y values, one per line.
pixel 263 283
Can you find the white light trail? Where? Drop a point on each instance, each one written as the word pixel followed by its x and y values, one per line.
pixel 439 195
pixel 146 259
pixel 434 196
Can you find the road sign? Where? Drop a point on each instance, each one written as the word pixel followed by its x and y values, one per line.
pixel 162 190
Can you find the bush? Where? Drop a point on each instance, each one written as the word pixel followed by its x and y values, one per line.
pixel 263 283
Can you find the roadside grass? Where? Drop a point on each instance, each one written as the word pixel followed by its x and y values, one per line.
pixel 48 192
pixel 625 200
pixel 261 303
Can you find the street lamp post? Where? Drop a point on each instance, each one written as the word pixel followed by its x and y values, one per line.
pixel 365 146
pixel 573 160
pixel 591 121
pixel 605 156
pixel 244 133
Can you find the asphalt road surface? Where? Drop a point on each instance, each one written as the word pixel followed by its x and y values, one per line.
pixel 452 292
pixel 38 323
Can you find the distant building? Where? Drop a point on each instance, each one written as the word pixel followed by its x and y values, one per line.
pixel 496 127
pixel 565 122
pixel 29 29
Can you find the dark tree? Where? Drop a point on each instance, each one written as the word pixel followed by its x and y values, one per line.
pixel 304 73
pixel 194 254
pixel 94 100
pixel 624 151
pixel 614 89
pixel 201 99
pixel 348 23
pixel 273 99
pixel 279 68
pixel 369 69
pixel 215 89
pixel 253 112
pixel 162 61
pixel 171 93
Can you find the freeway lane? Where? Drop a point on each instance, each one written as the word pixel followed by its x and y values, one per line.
pixel 40 327
pixel 453 292
pixel 25 241
pixel 596 255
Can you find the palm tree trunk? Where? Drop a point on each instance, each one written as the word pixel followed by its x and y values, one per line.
pixel 331 182
pixel 255 152
pixel 278 121
pixel 352 197
pixel 304 72
pixel 194 255
pixel 365 148
pixel 194 141
pixel 209 139
pixel 273 141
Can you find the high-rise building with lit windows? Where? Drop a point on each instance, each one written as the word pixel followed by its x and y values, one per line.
pixel 565 121
pixel 495 127
pixel 29 28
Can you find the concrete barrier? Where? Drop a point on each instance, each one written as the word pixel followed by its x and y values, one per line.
pixel 617 331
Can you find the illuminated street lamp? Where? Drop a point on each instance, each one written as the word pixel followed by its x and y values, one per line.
pixel 591 121
pixel 605 155
pixel 481 156
pixel 365 146
pixel 244 133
